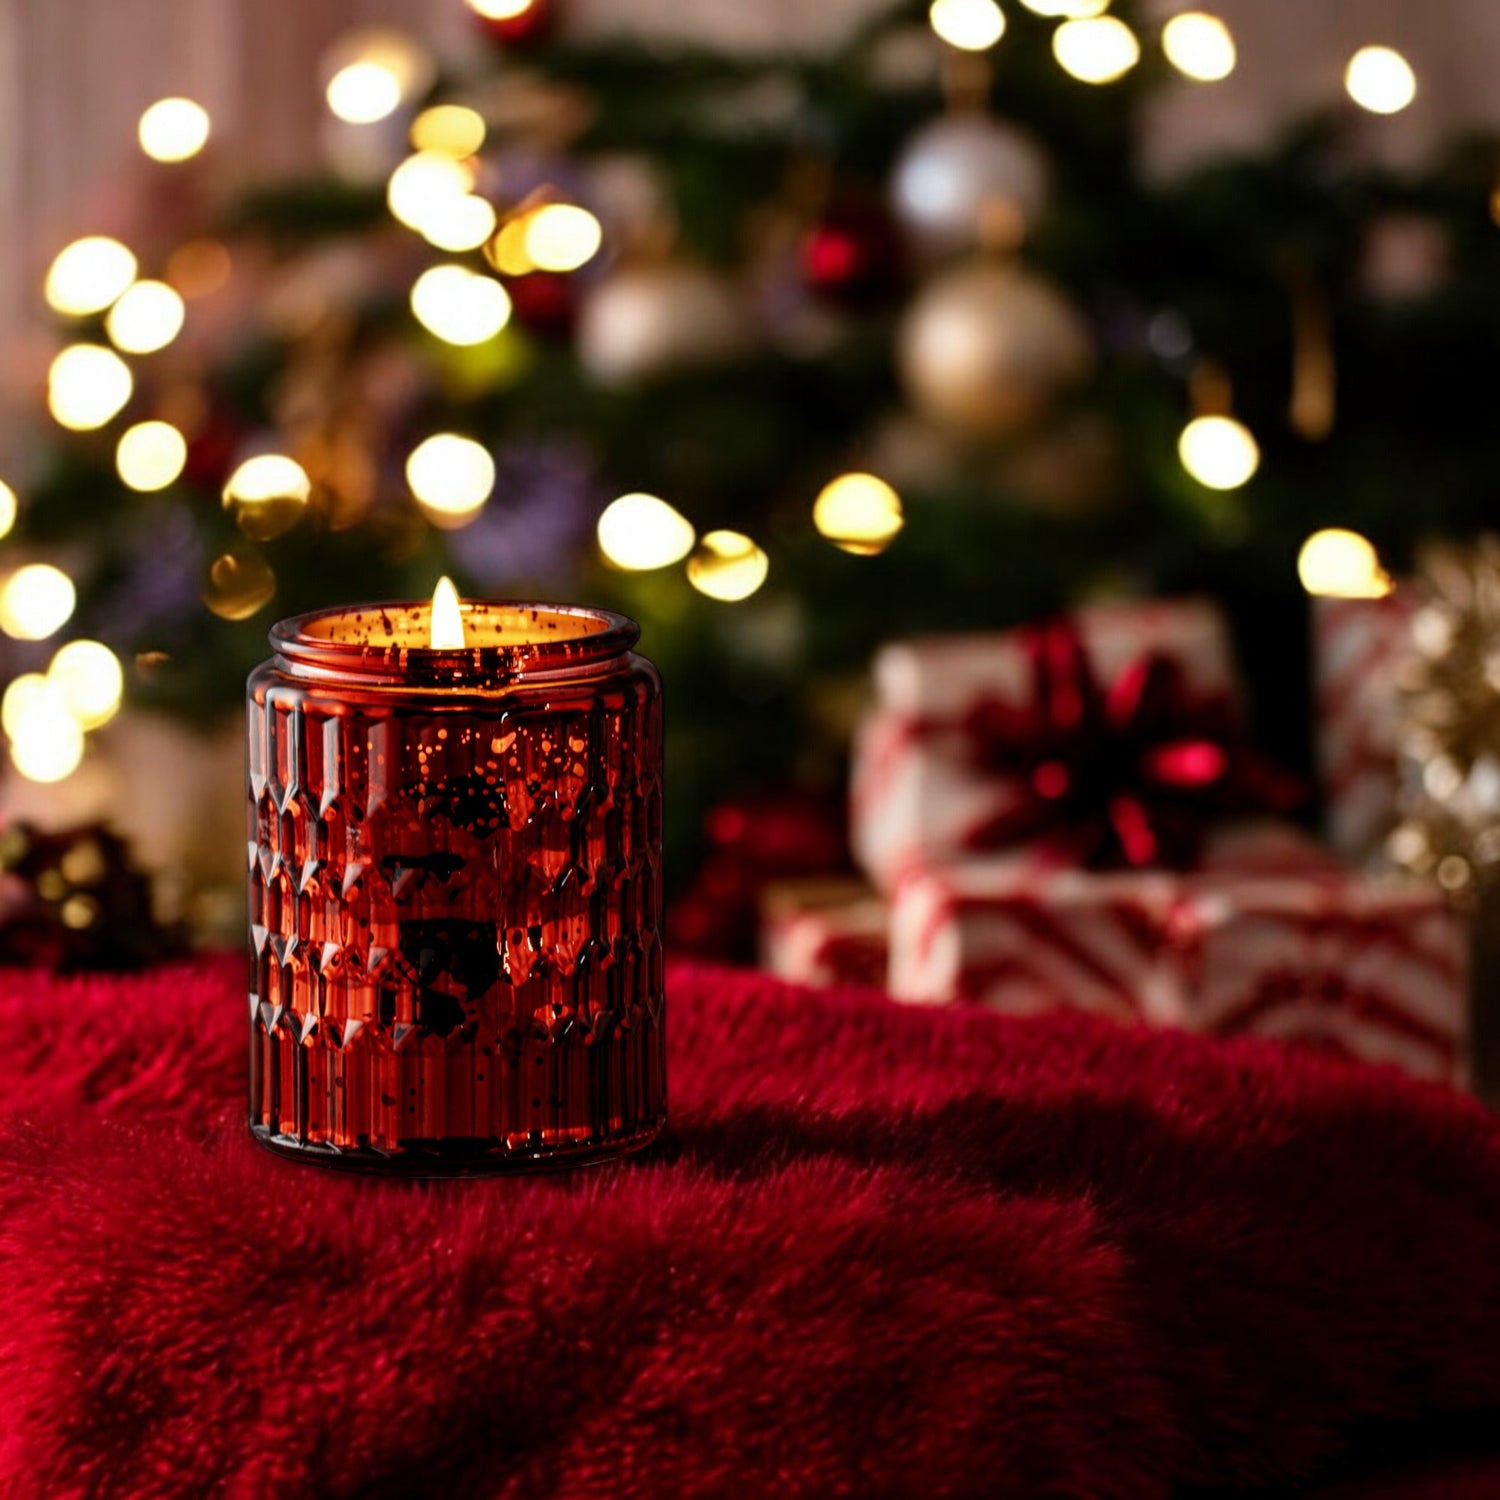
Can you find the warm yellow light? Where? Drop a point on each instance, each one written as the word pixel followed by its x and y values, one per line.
pixel 91 680
pixel 425 184
pixel 46 741
pixel 859 513
pixel 970 25
pixel 1199 46
pixel 500 10
pixel 267 476
pixel 451 477
pixel 1097 50
pixel 458 305
pixel 146 318
pixel 457 224
pixel 445 630
pixel 1067 9
pixel 364 92
pixel 36 601
pixel 87 386
pixel 1218 452
pixel 1380 80
pixel 174 129
pixel 88 275
pixel 1341 564
pixel 562 237
pixel 727 566
pixel 21 695
pixel 639 532
pixel 454 129
pixel 199 268
pixel 150 455
pixel 8 508
pixel 507 251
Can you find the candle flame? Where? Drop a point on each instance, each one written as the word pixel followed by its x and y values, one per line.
pixel 446 629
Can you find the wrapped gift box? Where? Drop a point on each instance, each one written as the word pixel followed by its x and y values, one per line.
pixel 1358 649
pixel 921 792
pixel 825 932
pixel 1280 944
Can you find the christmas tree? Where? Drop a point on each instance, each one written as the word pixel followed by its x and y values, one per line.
pixel 781 356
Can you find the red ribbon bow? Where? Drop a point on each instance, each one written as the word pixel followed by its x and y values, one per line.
pixel 1131 773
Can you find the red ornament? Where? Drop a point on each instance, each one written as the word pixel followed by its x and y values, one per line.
pixel 1128 773
pixel 544 302
pixel 851 256
pixel 514 23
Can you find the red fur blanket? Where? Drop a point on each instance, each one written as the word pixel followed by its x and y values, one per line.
pixel 882 1251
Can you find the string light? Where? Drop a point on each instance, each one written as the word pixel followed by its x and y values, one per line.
pixel 9 508
pixel 458 224
pixel 267 494
pixel 1071 10
pixel 500 10
pixel 146 318
pixel 370 73
pixel 150 455
pixel 363 92
pixel 562 237
pixel 86 276
pixel 859 513
pixel 640 532
pixel 36 601
pixel 1380 80
pixel 969 25
pixel 87 386
pixel 91 680
pixel 454 129
pixel 1340 564
pixel 458 305
pixel 451 477
pixel 20 695
pixel 1097 50
pixel 174 129
pixel 1218 452
pixel 424 184
pixel 507 250
pixel 1199 46
pixel 46 741
pixel 727 566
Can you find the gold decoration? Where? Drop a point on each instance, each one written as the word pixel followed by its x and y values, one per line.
pixel 1450 730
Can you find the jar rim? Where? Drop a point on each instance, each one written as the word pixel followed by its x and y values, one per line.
pixel 507 640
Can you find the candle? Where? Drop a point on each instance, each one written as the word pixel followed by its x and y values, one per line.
pixel 455 888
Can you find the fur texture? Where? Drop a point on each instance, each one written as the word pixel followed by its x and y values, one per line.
pixel 882 1251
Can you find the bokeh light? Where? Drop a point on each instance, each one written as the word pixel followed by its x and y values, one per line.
pixel 363 92
pixel 150 455
pixel 199 268
pixel 1067 9
pixel 458 224
pixel 727 566
pixel 86 276
pixel 148 316
pixel 1199 46
pixel 500 10
pixel 454 129
pixel 1218 452
pixel 859 513
pixel 970 25
pixel 640 532
pixel 268 494
pixel 20 694
pixel 239 584
pixel 9 508
pixel 451 477
pixel 561 237
pixel 174 129
pixel 458 305
pixel 46 740
pixel 424 184
pixel 1380 80
pixel 1096 50
pixel 507 250
pixel 36 601
pixel 87 386
pixel 91 680
pixel 1341 564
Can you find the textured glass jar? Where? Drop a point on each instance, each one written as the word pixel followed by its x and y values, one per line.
pixel 455 890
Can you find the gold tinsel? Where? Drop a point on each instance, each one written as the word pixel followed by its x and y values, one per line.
pixel 1449 735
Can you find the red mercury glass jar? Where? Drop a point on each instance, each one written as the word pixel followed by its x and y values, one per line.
pixel 455 890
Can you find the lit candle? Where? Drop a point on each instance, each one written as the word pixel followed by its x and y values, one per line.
pixel 455 888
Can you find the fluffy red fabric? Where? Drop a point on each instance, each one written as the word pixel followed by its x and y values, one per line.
pixel 882 1251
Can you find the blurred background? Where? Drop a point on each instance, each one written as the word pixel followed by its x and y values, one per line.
pixel 789 329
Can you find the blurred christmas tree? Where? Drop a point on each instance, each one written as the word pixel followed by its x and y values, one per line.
pixel 781 356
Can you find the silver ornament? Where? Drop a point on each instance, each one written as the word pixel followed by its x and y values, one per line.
pixel 985 350
pixel 966 180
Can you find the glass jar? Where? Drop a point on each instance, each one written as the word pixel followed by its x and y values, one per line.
pixel 455 890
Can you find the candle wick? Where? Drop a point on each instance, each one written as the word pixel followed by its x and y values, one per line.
pixel 446 625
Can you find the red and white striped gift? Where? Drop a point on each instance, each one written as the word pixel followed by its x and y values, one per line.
pixel 825 932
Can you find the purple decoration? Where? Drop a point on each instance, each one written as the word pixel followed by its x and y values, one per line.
pixel 156 580
pixel 538 520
